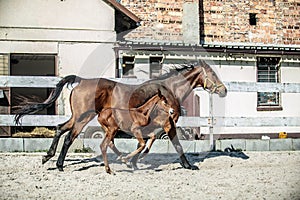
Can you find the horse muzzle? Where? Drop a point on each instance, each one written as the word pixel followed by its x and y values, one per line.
pixel 171 111
pixel 222 92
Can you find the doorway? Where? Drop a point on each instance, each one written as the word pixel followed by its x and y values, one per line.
pixel 31 65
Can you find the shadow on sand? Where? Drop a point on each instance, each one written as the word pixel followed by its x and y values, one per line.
pixel 154 161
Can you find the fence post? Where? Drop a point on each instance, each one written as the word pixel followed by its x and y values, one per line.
pixel 211 123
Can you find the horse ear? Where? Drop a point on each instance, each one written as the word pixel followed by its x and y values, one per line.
pixel 233 149
pixel 159 93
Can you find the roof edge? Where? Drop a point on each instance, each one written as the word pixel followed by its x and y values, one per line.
pixel 252 49
pixel 124 10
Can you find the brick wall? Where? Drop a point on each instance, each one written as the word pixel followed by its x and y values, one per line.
pixel 277 21
pixel 162 19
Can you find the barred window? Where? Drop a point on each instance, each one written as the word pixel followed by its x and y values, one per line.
pixel 4 65
pixel 268 71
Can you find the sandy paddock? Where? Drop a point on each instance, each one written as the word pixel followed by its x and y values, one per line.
pixel 265 175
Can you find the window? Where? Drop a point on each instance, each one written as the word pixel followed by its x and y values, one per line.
pixel 273 1
pixel 4 94
pixel 268 72
pixel 4 65
pixel 128 66
pixel 252 19
pixel 155 66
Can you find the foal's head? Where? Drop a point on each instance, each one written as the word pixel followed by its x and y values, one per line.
pixel 162 104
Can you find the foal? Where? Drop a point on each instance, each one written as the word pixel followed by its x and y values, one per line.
pixel 131 120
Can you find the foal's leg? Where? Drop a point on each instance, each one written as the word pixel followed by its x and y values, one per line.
pixel 72 135
pixel 137 156
pixel 103 146
pixel 152 139
pixel 104 125
pixel 113 147
pixel 60 130
pixel 138 135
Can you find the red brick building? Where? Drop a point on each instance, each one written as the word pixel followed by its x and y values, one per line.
pixel 239 38
pixel 218 21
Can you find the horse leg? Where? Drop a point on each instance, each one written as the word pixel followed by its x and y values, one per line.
pixel 152 139
pixel 103 146
pixel 60 130
pixel 171 131
pixel 138 135
pixel 135 158
pixel 113 147
pixel 105 124
pixel 72 135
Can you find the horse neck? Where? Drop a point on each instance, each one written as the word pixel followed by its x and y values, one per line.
pixel 147 107
pixel 183 84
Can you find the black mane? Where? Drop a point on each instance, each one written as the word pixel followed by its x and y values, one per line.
pixel 175 71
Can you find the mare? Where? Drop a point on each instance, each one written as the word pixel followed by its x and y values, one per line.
pixel 131 120
pixel 91 96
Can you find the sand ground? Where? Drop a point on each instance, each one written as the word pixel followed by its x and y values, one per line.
pixel 264 175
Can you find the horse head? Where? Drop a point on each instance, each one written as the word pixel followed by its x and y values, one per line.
pixel 210 81
pixel 162 104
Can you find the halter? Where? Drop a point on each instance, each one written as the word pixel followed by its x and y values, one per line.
pixel 158 108
pixel 207 79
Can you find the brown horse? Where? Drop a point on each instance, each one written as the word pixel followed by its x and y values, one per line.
pixel 113 119
pixel 91 96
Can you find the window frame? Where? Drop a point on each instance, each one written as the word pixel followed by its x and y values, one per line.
pixel 156 64
pixel 273 105
pixel 129 63
pixel 5 131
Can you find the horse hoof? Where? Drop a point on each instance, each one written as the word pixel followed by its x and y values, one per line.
pixel 60 168
pixel 193 167
pixel 45 159
pixel 134 166
pixel 128 165
pixel 120 158
pixel 124 160
pixel 111 172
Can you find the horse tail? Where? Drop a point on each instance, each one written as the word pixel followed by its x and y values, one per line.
pixel 35 107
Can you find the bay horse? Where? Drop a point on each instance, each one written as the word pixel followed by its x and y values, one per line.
pixel 131 120
pixel 91 96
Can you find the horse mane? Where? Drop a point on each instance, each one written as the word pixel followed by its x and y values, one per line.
pixel 174 71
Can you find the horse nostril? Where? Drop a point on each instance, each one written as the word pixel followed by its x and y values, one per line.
pixel 171 111
pixel 223 93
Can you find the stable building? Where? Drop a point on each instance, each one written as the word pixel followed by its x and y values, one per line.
pixel 246 42
pixel 58 38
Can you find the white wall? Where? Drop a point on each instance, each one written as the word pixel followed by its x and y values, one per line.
pixel 87 60
pixel 40 20
pixel 243 104
pixel 54 14
pixel 80 33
